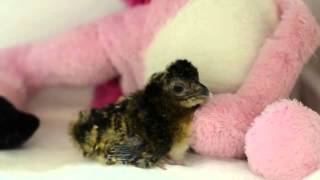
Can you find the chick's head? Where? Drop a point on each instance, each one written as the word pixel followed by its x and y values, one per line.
pixel 180 84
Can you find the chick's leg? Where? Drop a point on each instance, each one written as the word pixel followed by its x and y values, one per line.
pixel 171 161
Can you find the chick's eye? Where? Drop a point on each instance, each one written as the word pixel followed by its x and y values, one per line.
pixel 178 88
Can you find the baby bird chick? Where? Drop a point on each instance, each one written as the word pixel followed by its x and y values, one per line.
pixel 148 126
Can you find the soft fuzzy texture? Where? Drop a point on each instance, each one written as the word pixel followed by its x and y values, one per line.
pixel 115 46
pixel 103 99
pixel 12 85
pixel 221 125
pixel 291 130
pixel 96 53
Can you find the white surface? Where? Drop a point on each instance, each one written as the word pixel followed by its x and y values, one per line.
pixel 50 153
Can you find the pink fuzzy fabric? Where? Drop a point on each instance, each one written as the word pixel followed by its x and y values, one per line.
pixel 128 35
pixel 221 125
pixel 48 63
pixel 284 142
pixel 122 36
pixel 89 55
pixel 112 87
pixel 103 99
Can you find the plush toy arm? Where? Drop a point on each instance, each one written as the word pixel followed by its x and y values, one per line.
pixel 220 126
pixel 74 58
pixel 284 54
pixel 87 55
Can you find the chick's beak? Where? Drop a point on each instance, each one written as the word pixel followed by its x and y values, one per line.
pixel 203 91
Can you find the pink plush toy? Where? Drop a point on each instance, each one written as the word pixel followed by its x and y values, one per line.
pixel 249 53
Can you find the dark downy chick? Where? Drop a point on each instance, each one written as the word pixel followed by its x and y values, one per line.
pixel 148 126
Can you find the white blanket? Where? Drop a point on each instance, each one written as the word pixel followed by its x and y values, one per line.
pixel 50 154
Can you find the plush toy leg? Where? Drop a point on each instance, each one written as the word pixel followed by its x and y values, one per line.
pixel 284 142
pixel 220 126
pixel 15 126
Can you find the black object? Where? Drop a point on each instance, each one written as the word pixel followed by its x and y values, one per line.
pixel 16 127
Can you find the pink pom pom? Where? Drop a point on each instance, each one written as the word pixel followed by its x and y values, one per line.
pixel 284 142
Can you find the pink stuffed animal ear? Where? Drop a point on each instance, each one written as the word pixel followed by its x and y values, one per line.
pixel 136 2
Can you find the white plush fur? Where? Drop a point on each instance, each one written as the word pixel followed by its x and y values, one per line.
pixel 228 33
